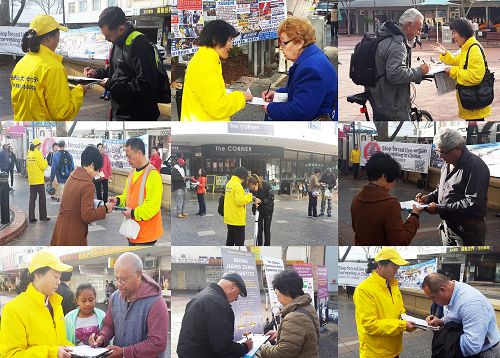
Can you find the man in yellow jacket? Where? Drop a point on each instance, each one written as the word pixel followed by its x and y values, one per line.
pixel 378 306
pixel 35 166
pixel 355 160
pixel 235 211
pixel 40 90
pixel 204 96
pixel 142 195
pixel 33 322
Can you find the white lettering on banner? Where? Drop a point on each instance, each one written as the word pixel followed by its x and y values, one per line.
pixel 10 40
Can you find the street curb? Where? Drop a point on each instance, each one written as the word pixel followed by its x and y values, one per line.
pixel 16 228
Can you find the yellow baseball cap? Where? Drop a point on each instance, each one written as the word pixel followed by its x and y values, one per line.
pixel 45 258
pixel 45 23
pixel 388 253
pixel 36 141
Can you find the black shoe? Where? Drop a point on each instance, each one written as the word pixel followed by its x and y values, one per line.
pixel 329 215
pixel 198 213
pixel 45 219
pixel 315 216
pixel 33 220
pixel 203 214
pixel 107 98
pixel 322 214
pixel 102 96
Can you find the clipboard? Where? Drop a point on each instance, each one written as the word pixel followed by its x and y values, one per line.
pixel 88 352
pixel 84 80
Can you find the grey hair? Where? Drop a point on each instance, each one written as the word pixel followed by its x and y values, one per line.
pixel 449 139
pixel 410 16
pixel 132 259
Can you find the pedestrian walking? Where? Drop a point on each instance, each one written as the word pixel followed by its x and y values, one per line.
pixel 179 187
pixel 263 191
pixel 104 176
pixel 35 167
pixel 314 190
pixel 201 189
pixel 12 164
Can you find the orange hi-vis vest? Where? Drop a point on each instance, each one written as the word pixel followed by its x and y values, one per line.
pixel 151 229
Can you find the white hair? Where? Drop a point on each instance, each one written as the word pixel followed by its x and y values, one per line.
pixel 131 259
pixel 410 16
pixel 449 139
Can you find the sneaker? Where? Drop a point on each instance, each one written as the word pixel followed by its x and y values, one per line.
pixel 322 214
pixel 107 98
pixel 45 219
pixel 329 215
pixel 203 214
pixel 180 216
pixel 185 214
pixel 198 213
pixel 33 220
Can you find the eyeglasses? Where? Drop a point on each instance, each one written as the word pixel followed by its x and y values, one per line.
pixel 284 43
pixel 443 153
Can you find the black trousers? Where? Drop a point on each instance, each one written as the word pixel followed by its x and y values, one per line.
pixel 334 29
pixel 151 243
pixel 312 210
pixel 355 170
pixel 235 235
pixel 101 188
pixel 42 205
pixel 264 226
pixel 201 204
pixel 4 203
pixel 11 171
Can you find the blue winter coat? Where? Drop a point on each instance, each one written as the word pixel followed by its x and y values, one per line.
pixel 312 89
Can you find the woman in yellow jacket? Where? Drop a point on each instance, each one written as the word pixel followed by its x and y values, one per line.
pixel 235 211
pixel 378 306
pixel 204 96
pixel 40 90
pixel 35 167
pixel 33 323
pixel 463 34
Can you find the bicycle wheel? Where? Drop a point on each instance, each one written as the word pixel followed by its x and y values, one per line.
pixel 424 116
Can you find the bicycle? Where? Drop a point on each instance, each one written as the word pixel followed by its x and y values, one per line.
pixel 416 114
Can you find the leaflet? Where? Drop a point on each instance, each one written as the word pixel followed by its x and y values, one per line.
pixel 419 323
pixel 408 205
pixel 89 352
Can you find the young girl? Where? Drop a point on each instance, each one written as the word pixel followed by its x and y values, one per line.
pixel 86 319
pixel 201 189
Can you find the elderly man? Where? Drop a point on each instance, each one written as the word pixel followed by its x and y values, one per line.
pixel 207 328
pixel 142 195
pixel 467 306
pixel 137 316
pixel 390 98
pixel 461 197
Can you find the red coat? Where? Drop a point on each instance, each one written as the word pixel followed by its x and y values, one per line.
pixel 156 161
pixel 106 166
pixel 202 185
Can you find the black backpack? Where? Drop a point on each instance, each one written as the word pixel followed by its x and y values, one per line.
pixel 362 68
pixel 220 208
pixel 163 92
pixel 482 95
pixel 65 167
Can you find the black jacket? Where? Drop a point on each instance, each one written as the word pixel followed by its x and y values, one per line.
pixel 68 301
pixel 178 181
pixel 446 342
pixel 329 180
pixel 462 192
pixel 133 79
pixel 266 195
pixel 207 329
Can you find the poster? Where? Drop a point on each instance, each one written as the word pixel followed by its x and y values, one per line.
pixel 272 266
pixel 490 154
pixel 322 275
pixel 352 273
pixel 305 271
pixel 247 310
pixel 74 146
pixel 10 40
pixel 412 276
pixel 115 148
pixel 412 157
pixel 86 43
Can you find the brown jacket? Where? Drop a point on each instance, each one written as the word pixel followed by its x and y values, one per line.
pixel 76 210
pixel 313 183
pixel 376 218
pixel 297 335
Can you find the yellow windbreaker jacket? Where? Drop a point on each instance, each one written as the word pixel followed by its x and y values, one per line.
pixel 378 318
pixel 40 90
pixel 472 76
pixel 204 95
pixel 28 330
pixel 235 201
pixel 35 166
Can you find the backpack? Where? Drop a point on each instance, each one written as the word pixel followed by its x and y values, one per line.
pixel 65 165
pixel 362 68
pixel 163 92
pixel 220 208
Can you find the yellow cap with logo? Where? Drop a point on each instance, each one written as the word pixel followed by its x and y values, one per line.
pixel 36 141
pixel 388 253
pixel 43 24
pixel 47 259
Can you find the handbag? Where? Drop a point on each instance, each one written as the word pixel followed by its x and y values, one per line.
pixel 480 96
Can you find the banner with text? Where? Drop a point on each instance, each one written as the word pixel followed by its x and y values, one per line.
pixel 412 157
pixel 352 273
pixel 247 310
pixel 272 266
pixel 305 271
pixel 322 276
pixel 10 40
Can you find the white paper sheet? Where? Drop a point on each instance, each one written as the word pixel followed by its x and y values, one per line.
pixel 87 351
pixel 84 79
pixel 444 83
pixel 438 68
pixel 258 341
pixel 420 323
pixel 258 101
pixel 408 205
